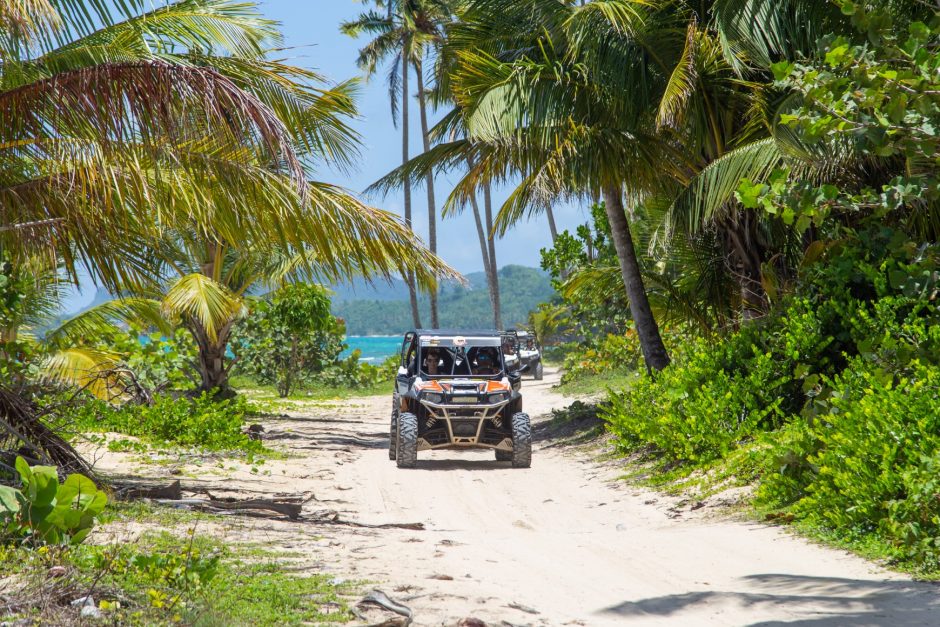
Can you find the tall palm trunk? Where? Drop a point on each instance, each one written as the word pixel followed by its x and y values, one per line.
pixel 654 351
pixel 484 250
pixel 432 203
pixel 494 267
pixel 551 223
pixel 410 278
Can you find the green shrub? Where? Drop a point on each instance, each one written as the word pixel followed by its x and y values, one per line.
pixel 158 362
pixel 613 353
pixel 352 373
pixel 289 339
pixel 43 511
pixel 877 467
pixel 696 411
pixel 204 422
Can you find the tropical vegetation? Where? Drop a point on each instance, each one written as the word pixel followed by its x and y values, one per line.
pixel 756 284
pixel 169 155
pixel 764 179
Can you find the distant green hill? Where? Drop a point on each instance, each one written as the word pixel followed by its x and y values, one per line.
pixel 388 313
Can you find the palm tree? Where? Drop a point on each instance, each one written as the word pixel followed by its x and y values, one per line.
pixel 207 283
pixel 115 142
pixel 559 96
pixel 404 34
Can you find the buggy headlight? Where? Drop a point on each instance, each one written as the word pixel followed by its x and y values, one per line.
pixel 433 398
pixel 498 398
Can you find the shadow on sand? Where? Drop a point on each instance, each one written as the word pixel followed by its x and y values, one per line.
pixel 824 601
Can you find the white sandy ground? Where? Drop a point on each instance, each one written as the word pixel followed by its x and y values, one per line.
pixel 562 543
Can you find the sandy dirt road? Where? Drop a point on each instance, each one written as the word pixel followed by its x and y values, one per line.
pixel 562 543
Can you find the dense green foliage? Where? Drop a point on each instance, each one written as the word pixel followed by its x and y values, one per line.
pixel 43 511
pixel 159 362
pixel 834 395
pixel 521 289
pixel 203 422
pixel 289 338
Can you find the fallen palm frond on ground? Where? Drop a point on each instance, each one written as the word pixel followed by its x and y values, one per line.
pixel 24 432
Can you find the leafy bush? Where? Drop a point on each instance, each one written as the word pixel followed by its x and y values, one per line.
pixel 157 361
pixel 833 399
pixel 877 467
pixel 290 338
pixel 44 511
pixel 612 353
pixel 204 422
pixel 352 373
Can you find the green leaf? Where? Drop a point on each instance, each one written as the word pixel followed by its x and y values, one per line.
pixel 9 504
pixel 783 70
pixel 749 193
pixel 43 486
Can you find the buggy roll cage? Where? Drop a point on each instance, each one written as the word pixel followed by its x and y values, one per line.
pixel 420 342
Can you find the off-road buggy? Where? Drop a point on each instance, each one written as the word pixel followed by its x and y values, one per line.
pixel 453 391
pixel 526 353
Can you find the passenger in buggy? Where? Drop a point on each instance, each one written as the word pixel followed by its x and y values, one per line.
pixel 484 364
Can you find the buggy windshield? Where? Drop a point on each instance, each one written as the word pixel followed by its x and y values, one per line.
pixel 460 357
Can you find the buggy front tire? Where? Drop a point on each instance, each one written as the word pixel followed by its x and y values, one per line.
pixel 521 441
pixel 407 453
pixel 539 371
pixel 393 432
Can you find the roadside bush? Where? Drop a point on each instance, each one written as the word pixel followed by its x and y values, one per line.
pixel 697 411
pixel 204 422
pixel 352 373
pixel 43 511
pixel 290 339
pixel 878 467
pixel 613 353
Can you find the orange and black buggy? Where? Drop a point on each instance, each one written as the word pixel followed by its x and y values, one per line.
pixel 454 391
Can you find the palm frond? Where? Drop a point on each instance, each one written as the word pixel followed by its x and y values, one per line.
pixel 85 326
pixel 712 190
pixel 85 368
pixel 198 297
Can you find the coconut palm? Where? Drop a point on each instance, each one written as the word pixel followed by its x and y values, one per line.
pixel 559 95
pixel 403 35
pixel 120 135
pixel 208 283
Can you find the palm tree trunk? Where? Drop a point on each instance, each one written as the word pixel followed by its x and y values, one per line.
pixel 654 351
pixel 409 277
pixel 484 250
pixel 494 267
pixel 210 360
pixel 432 203
pixel 551 223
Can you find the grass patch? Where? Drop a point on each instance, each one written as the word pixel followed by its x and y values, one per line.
pixel 164 579
pixel 203 424
pixel 590 384
pixel 265 396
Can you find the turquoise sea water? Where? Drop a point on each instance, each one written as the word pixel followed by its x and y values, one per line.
pixel 374 349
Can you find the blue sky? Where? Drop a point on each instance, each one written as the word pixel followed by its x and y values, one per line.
pixel 311 30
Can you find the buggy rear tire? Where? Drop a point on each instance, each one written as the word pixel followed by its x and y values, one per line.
pixel 407 452
pixel 503 456
pixel 393 432
pixel 539 371
pixel 521 441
